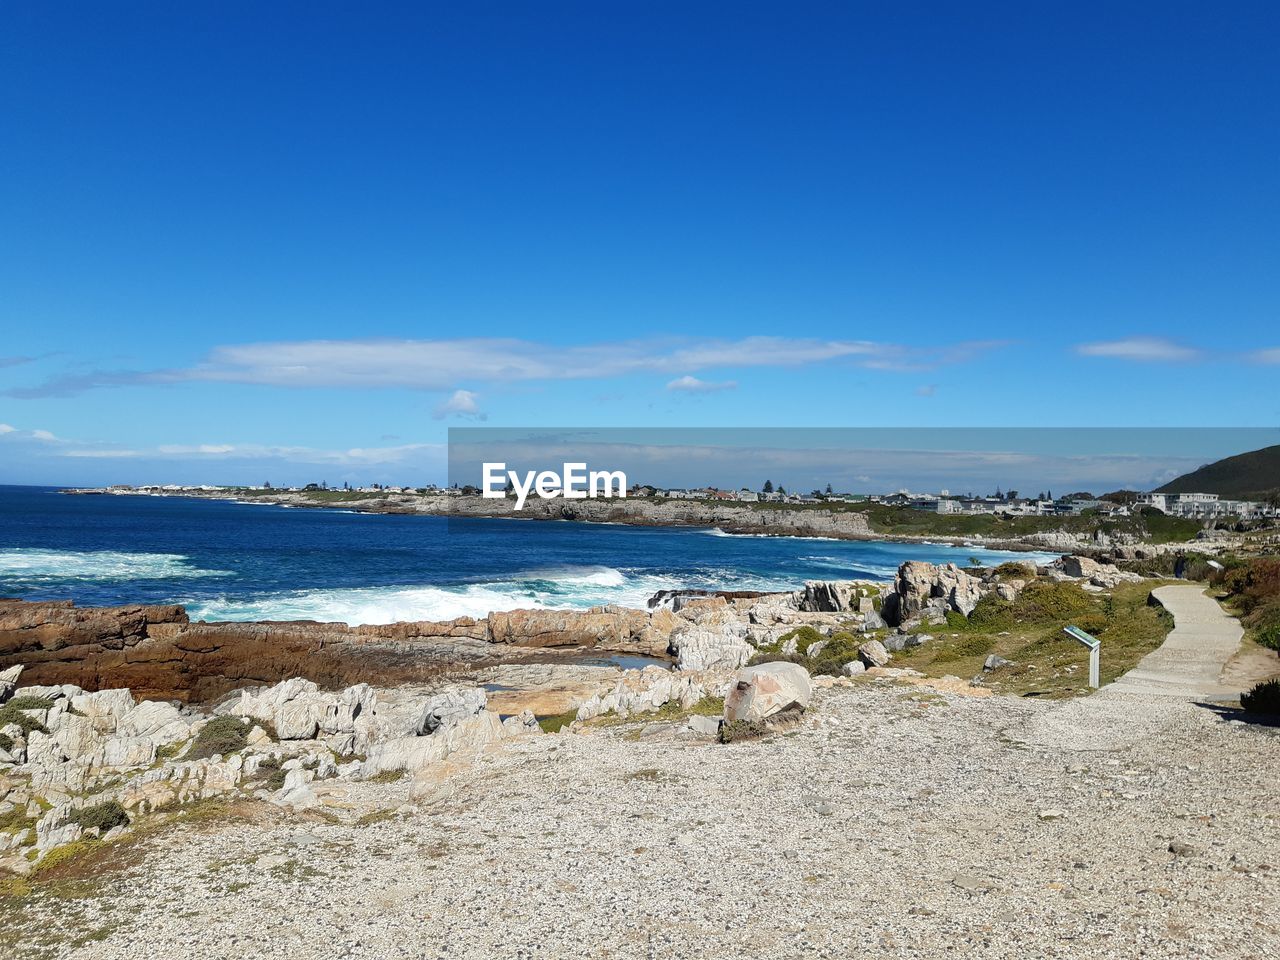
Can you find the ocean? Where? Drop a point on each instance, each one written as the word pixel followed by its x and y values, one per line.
pixel 239 561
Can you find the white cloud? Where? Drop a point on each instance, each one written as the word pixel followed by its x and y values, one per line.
pixel 688 384
pixel 199 448
pixel 44 435
pixel 1149 349
pixel 462 403
pixel 101 454
pixel 356 456
pixel 5 428
pixel 441 364
pixel 1266 356
pixel 928 390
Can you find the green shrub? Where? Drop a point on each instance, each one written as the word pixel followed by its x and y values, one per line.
pixel 1014 570
pixel 29 703
pixel 105 816
pixel 736 730
pixel 837 650
pixel 11 712
pixel 221 735
pixel 1253 583
pixel 6 742
pixel 1264 621
pixel 1263 698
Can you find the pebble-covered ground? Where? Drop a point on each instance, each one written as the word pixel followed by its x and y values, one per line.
pixel 891 823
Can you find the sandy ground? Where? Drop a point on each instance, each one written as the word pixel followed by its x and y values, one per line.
pixel 893 822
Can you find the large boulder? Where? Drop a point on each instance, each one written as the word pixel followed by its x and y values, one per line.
pixel 451 707
pixel 873 653
pixel 766 690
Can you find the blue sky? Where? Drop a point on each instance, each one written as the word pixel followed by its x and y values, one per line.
pixel 241 241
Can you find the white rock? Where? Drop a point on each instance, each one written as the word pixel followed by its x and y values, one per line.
pixel 873 653
pixel 762 691
pixel 156 720
pixel 104 708
pixel 701 648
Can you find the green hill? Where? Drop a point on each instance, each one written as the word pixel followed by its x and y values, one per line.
pixel 1246 476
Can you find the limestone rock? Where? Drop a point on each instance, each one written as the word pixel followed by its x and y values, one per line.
pixel 104 708
pixel 828 596
pixel 450 707
pixel 920 586
pixel 766 690
pixel 9 681
pixel 700 648
pixel 874 654
pixel 156 720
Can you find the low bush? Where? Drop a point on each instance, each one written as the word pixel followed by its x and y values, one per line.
pixel 736 730
pixel 104 816
pixel 1264 622
pixel 835 651
pixel 12 712
pixel 221 735
pixel 29 703
pixel 272 774
pixel 1251 584
pixel 1263 698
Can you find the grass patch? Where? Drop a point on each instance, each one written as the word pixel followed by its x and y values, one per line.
pixel 557 721
pixel 386 776
pixel 16 820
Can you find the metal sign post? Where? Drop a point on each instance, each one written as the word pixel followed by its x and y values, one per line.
pixel 1094 645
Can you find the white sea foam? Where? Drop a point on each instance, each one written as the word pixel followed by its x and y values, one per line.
pixel 31 564
pixel 558 588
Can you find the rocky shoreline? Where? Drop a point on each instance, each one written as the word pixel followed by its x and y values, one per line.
pixel 747 760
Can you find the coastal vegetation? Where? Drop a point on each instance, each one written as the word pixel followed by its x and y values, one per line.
pixel 1263 698
pixel 222 736
pixel 1036 658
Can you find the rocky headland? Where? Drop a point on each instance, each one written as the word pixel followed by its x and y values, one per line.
pixel 766 519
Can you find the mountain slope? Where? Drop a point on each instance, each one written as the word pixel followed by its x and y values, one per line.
pixel 1246 476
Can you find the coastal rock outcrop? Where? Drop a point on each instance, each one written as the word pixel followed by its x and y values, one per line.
pixel 921 589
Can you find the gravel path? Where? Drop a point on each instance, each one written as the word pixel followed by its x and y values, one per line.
pixel 891 823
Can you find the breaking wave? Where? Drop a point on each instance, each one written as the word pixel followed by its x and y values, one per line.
pixel 557 588
pixel 29 565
